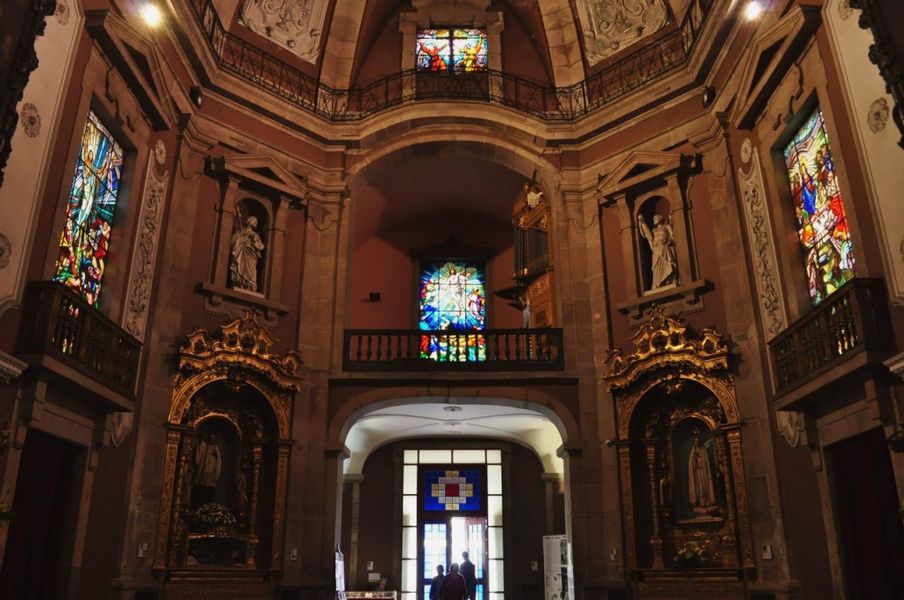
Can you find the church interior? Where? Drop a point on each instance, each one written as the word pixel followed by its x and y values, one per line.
pixel 568 299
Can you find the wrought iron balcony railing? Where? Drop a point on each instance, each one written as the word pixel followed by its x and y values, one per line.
pixel 60 324
pixel 852 321
pixel 444 350
pixel 662 55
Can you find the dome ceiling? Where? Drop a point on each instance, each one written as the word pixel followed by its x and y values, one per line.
pixel 571 38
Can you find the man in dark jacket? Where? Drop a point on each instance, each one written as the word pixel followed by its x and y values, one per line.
pixel 454 586
pixel 467 571
pixel 437 583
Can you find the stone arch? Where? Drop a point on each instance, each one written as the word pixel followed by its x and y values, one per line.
pixel 359 405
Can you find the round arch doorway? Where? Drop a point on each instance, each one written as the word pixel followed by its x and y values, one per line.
pixel 429 479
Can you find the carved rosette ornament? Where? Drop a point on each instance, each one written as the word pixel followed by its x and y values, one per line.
pixel 226 459
pixel 680 458
pixel 30 118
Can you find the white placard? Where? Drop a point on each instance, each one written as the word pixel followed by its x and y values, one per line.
pixel 340 576
pixel 557 569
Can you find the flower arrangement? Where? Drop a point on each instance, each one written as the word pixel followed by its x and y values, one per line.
pixel 693 553
pixel 213 515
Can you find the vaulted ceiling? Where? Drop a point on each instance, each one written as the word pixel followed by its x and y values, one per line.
pixel 334 39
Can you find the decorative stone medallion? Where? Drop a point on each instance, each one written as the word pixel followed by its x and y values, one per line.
pixel 160 152
pixel 6 250
pixel 877 118
pixel 610 26
pixel 30 119
pixel 296 25
pixel 120 427
pixel 746 150
pixel 61 14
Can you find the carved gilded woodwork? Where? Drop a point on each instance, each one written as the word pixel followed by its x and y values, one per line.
pixel 679 436
pixel 232 402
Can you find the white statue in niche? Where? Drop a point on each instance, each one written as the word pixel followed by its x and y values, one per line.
pixel 246 251
pixel 662 245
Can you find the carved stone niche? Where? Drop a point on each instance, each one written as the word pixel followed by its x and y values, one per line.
pixel 256 194
pixel 648 194
pixel 222 506
pixel 684 497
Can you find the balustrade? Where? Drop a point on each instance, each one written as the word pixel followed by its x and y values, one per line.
pixel 60 324
pixel 428 350
pixel 854 319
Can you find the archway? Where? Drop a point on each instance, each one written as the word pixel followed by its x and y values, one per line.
pixel 428 477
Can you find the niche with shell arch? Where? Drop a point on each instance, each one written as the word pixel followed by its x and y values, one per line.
pixel 248 254
pixel 225 468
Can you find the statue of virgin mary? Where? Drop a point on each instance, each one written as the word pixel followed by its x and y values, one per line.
pixel 701 490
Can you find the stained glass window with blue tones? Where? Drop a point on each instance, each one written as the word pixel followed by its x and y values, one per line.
pixel 91 208
pixel 452 490
pixel 452 297
pixel 822 222
pixel 458 50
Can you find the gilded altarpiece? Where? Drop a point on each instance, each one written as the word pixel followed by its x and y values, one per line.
pixel 687 528
pixel 227 454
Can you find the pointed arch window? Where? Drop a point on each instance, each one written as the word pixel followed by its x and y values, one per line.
pixel 91 208
pixel 822 223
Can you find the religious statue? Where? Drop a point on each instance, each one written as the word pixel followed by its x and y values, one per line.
pixel 701 490
pixel 208 462
pixel 246 249
pixel 662 245
pixel 533 195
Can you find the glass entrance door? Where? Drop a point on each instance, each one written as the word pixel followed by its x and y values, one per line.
pixel 444 540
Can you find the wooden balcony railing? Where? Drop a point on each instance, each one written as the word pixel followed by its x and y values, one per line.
pixel 423 350
pixel 58 323
pixel 853 320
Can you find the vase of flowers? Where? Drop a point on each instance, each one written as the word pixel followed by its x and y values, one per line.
pixel 214 518
pixel 693 554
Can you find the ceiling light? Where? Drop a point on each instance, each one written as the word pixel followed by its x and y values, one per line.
pixel 151 14
pixel 753 10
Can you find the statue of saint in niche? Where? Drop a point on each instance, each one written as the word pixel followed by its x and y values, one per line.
pixel 246 250
pixel 208 462
pixel 701 488
pixel 661 239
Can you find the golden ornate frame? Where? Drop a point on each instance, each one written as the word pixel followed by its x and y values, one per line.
pixel 240 352
pixel 665 359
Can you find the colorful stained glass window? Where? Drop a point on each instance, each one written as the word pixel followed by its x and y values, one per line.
pixel 822 222
pixel 457 50
pixel 452 298
pixel 452 490
pixel 85 240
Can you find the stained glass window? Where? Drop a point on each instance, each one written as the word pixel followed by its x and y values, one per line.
pixel 457 50
pixel 452 298
pixel 91 207
pixel 452 490
pixel 822 223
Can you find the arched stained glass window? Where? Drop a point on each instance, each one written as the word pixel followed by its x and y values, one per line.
pixel 91 208
pixel 452 297
pixel 822 222
pixel 457 50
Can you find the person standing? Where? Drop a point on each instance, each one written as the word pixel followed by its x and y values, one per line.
pixel 468 572
pixel 437 583
pixel 454 586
